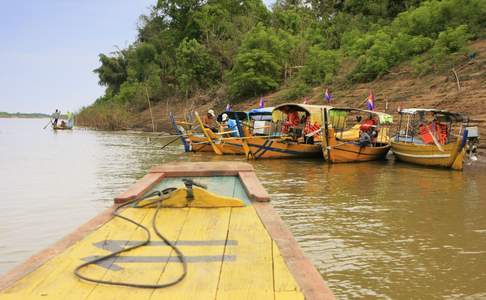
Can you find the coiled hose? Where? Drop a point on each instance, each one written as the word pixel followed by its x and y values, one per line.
pixel 162 196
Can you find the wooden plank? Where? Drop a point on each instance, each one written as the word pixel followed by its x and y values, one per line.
pixel 202 278
pixel 253 187
pixel 223 185
pixel 57 248
pixel 219 168
pixel 283 279
pixel 251 274
pixel 170 222
pixel 140 187
pixel 56 280
pixel 304 273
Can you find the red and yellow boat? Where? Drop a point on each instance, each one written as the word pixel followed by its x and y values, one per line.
pixel 290 135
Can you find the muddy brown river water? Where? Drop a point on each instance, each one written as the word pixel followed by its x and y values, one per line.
pixel 373 230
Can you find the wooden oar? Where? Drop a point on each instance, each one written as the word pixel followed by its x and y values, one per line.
pixel 50 122
pixel 435 140
pixel 210 140
pixel 170 142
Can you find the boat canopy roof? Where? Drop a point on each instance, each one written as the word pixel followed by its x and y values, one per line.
pixel 384 118
pixel 315 111
pixel 240 115
pixel 261 114
pixel 458 117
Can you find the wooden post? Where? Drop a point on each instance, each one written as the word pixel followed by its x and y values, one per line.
pixel 150 109
pixel 457 79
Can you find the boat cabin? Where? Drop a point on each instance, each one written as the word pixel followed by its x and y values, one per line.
pixel 364 127
pixel 429 126
pixel 298 122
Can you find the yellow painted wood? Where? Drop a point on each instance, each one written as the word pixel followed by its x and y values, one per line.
pixel 257 271
pixel 147 273
pixel 253 268
pixel 201 198
pixel 206 133
pixel 283 280
pixel 55 278
pixel 289 296
pixel 280 148
pixel 202 278
pixel 430 155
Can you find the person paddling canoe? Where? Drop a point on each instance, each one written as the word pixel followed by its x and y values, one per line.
pixel 55 117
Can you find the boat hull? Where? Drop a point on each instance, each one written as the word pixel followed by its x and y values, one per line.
pixel 276 148
pixel 224 249
pixel 350 152
pixel 199 144
pixel 231 147
pixel 61 128
pixel 452 155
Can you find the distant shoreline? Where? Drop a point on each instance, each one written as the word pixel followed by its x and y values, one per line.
pixel 19 115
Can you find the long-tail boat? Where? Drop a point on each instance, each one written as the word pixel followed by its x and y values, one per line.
pixel 291 134
pixel 192 141
pixel 355 135
pixel 223 141
pixel 184 231
pixel 431 137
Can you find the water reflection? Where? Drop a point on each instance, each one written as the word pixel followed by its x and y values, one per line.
pixel 381 229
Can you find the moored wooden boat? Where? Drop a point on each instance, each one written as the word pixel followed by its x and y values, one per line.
pixel 195 142
pixel 60 127
pixel 294 133
pixel 270 147
pixel 431 137
pixel 232 250
pixel 343 142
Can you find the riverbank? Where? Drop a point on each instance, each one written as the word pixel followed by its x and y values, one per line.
pixel 19 115
pixel 398 88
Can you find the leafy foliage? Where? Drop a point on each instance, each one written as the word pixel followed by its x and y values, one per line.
pixel 244 49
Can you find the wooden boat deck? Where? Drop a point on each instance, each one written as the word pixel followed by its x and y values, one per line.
pixel 232 253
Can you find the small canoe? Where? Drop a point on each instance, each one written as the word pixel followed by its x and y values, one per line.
pixel 233 243
pixel 58 127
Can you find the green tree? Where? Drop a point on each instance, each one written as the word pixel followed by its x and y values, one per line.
pixel 195 67
pixel 321 66
pixel 113 71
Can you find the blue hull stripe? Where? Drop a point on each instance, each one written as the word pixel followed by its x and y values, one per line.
pixel 285 151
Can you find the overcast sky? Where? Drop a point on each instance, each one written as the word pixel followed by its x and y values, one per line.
pixel 49 49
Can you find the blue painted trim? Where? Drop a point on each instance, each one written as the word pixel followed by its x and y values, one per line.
pixel 266 147
pixel 187 147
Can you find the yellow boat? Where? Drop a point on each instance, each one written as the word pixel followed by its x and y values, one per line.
pixel 431 137
pixel 355 135
pixel 289 139
pixel 61 127
pixel 209 233
pixel 191 141
pixel 223 142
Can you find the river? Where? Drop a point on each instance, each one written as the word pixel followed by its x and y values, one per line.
pixel 374 230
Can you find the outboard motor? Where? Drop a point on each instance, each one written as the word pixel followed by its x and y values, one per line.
pixel 472 143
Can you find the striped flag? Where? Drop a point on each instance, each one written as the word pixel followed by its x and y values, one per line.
pixel 228 107
pixel 327 96
pixel 371 101
pixel 262 103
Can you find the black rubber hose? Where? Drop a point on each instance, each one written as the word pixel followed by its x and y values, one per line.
pixel 163 195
